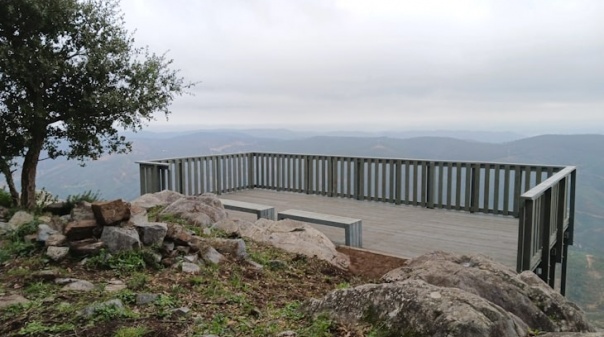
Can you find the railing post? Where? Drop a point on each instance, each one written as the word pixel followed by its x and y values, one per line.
pixel 525 231
pixel 360 181
pixel 307 173
pixel 331 176
pixel 181 178
pixel 475 189
pixel 430 185
pixel 546 212
pixel 250 171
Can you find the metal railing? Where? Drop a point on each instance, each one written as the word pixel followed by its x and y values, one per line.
pixel 541 196
pixel 546 226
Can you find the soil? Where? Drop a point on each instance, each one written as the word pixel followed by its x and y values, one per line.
pixel 369 264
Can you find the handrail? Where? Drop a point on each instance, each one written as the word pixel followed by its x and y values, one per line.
pixel 546 225
pixel 541 196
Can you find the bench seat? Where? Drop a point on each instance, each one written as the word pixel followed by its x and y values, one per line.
pixel 261 211
pixel 353 227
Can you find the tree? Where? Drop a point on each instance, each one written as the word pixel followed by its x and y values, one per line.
pixel 70 79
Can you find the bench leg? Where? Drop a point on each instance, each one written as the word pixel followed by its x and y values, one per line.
pixel 348 236
pixel 267 214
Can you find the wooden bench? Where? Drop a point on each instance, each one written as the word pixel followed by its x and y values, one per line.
pixel 353 227
pixel 261 211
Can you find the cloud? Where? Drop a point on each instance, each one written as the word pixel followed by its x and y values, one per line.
pixel 517 65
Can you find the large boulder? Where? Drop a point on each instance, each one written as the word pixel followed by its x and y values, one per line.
pixel 289 235
pixel 524 295
pixel 163 198
pixel 416 308
pixel 79 230
pixel 111 213
pixel 152 232
pixel 203 210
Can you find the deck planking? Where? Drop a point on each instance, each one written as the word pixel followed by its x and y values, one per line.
pixel 400 230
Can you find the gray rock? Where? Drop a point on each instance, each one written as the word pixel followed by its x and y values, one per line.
pixel 45 275
pixel 57 253
pixel 55 240
pixel 201 210
pixel 292 236
pixel 9 300
pixel 191 258
pixel 233 247
pixel 114 285
pixel 414 307
pixel 20 218
pixel 58 208
pixel 163 198
pixel 183 311
pixel 71 284
pixel 5 228
pixel 254 264
pixel 145 298
pixel 191 268
pixel 152 233
pixel 90 310
pixel 138 215
pixel 82 211
pixel 178 234
pixel 211 255
pixel 119 239
pixel 44 232
pixel 86 247
pixel 167 246
pixel 111 213
pixel 524 295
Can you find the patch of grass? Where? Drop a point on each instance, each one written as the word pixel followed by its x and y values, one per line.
pixel 137 281
pixel 133 331
pixel 321 326
pixel 124 262
pixel 112 312
pixel 36 328
pixel 39 290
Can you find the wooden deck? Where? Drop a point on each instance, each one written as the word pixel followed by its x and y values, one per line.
pixel 399 230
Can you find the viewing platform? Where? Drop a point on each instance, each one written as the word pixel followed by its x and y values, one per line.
pixel 518 214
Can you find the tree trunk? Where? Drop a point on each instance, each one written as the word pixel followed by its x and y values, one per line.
pixel 8 174
pixel 28 173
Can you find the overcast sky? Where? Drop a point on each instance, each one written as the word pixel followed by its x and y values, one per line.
pixel 524 66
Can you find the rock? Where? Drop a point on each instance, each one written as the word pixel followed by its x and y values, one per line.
pixel 524 295
pixel 30 238
pixel 44 231
pixel 56 240
pixel 416 308
pixel 167 246
pixel 111 213
pixel 82 211
pixel 119 239
pixel 114 285
pixel 5 228
pixel 289 235
pixel 138 215
pixel 90 310
pixel 79 230
pixel 287 333
pixel 57 253
pixel 71 284
pixel 20 218
pixel 201 210
pixel 152 233
pixel 169 262
pixel 145 298
pixel 9 300
pixel 45 275
pixel 163 198
pixel 183 311
pixel 211 255
pixel 179 234
pixel 188 267
pixel 58 208
pixel 191 258
pixel 234 247
pixel 183 249
pixel 255 265
pixel 86 247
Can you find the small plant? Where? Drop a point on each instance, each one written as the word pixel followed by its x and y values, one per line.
pixel 134 331
pixel 35 328
pixel 5 199
pixel 39 290
pixel 112 312
pixel 320 327
pixel 196 281
pixel 137 281
pixel 164 303
pixel 87 196
pixel 126 261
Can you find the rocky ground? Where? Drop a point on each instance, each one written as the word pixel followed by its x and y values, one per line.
pixel 170 265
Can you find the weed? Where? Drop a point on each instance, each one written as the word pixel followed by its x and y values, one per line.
pixel 37 328
pixel 320 327
pixel 343 285
pixel 196 281
pixel 164 304
pixel 137 281
pixel 5 199
pixel 87 196
pixel 126 261
pixel 39 290
pixel 127 296
pixel 112 312
pixel 134 331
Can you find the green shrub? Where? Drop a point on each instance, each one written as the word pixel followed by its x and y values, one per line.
pixel 87 196
pixel 5 199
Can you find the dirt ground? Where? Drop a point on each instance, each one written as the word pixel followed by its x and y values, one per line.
pixel 370 264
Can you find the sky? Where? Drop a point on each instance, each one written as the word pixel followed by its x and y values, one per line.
pixel 527 66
